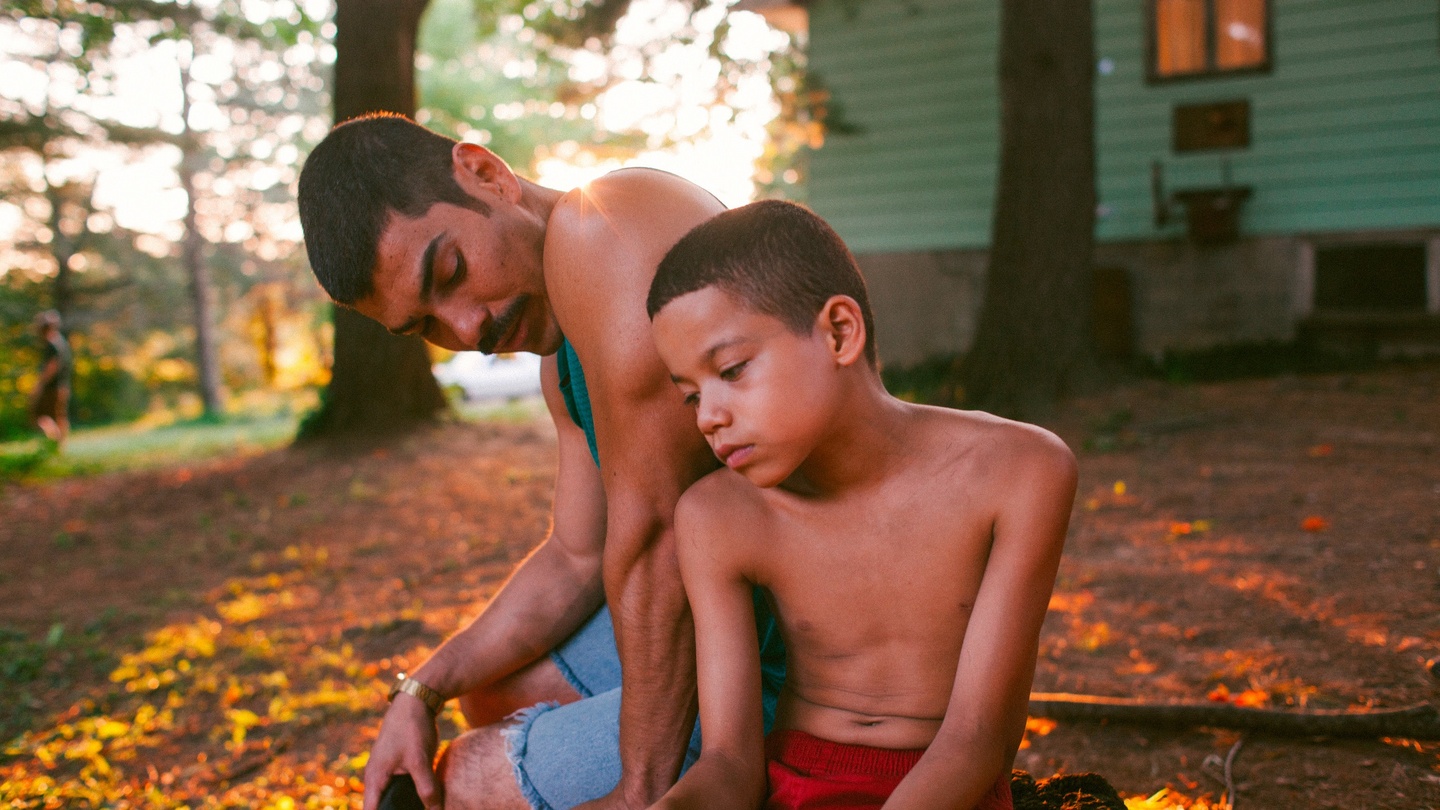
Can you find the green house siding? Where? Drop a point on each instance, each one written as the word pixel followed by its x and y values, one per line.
pixel 918 78
pixel 1345 130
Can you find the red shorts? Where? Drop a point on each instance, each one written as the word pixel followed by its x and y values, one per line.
pixel 808 772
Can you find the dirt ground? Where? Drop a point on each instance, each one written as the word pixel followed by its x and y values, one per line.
pixel 1272 542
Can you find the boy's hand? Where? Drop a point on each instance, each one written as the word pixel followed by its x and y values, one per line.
pixel 407 742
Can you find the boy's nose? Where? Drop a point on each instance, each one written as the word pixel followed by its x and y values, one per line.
pixel 711 416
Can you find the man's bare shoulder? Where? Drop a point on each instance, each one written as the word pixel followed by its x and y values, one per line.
pixel 603 242
pixel 629 209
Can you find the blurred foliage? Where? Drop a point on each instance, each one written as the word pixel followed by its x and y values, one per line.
pixel 256 75
pixel 931 381
pixel 528 78
pixel 534 79
pixel 234 691
pixel 470 85
pixel 58 656
pixel 262 422
pixel 19 358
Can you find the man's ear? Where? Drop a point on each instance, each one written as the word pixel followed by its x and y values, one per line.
pixel 478 169
pixel 843 326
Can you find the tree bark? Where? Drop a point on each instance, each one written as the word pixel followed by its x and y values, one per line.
pixel 62 248
pixel 380 384
pixel 192 257
pixel 1033 339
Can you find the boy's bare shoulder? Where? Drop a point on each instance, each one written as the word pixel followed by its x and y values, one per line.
pixel 1000 446
pixel 721 499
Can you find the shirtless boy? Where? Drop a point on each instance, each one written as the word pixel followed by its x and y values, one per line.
pixel 909 551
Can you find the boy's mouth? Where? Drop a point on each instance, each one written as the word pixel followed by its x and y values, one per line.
pixel 732 455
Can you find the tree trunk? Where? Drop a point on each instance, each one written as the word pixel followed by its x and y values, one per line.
pixel 1033 339
pixel 192 257
pixel 62 247
pixel 380 383
pixel 1420 721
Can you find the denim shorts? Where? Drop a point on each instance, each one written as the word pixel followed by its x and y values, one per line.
pixel 567 755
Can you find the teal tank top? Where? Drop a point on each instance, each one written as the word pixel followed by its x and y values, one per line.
pixel 577 396
pixel 772 647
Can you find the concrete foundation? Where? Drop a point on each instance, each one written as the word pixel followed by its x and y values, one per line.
pixel 1183 296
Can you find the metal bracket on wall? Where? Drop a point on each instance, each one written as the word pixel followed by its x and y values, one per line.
pixel 1212 215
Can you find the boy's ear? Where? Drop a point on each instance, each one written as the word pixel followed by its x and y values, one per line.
pixel 477 169
pixel 843 326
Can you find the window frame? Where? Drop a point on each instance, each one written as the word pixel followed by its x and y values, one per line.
pixel 1152 48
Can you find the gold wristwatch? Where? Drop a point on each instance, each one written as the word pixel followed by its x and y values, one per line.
pixel 434 701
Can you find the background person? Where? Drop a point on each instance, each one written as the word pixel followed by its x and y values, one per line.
pixel 50 401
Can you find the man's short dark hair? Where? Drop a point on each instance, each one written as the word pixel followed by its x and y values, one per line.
pixel 776 256
pixel 363 170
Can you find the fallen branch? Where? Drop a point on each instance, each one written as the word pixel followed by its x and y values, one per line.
pixel 1418 722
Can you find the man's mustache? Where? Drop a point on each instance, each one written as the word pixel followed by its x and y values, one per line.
pixel 502 325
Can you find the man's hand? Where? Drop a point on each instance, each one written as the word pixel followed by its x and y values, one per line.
pixel 406 744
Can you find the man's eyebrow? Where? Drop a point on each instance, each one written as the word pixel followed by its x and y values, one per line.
pixel 427 283
pixel 427 266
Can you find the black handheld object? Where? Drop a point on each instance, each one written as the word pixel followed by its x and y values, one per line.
pixel 399 794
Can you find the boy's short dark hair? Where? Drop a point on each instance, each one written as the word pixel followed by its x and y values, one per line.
pixel 364 169
pixel 776 256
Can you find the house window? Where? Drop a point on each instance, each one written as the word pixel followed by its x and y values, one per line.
pixel 1190 38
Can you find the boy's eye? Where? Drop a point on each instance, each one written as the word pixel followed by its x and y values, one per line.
pixel 732 373
pixel 692 400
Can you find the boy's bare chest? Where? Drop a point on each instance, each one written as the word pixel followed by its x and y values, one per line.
pixel 910 553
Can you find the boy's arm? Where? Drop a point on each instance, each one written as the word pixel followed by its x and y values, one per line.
pixel 985 718
pixel 730 774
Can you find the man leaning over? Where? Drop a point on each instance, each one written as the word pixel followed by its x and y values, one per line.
pixel 441 239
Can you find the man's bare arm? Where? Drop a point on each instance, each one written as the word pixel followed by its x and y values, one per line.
pixel 730 774
pixel 602 248
pixel 551 593
pixel 653 629
pixel 985 718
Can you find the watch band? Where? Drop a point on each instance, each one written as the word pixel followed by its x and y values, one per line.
pixel 434 701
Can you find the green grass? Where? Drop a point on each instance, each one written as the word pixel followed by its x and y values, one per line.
pixel 148 445
pixel 144 446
